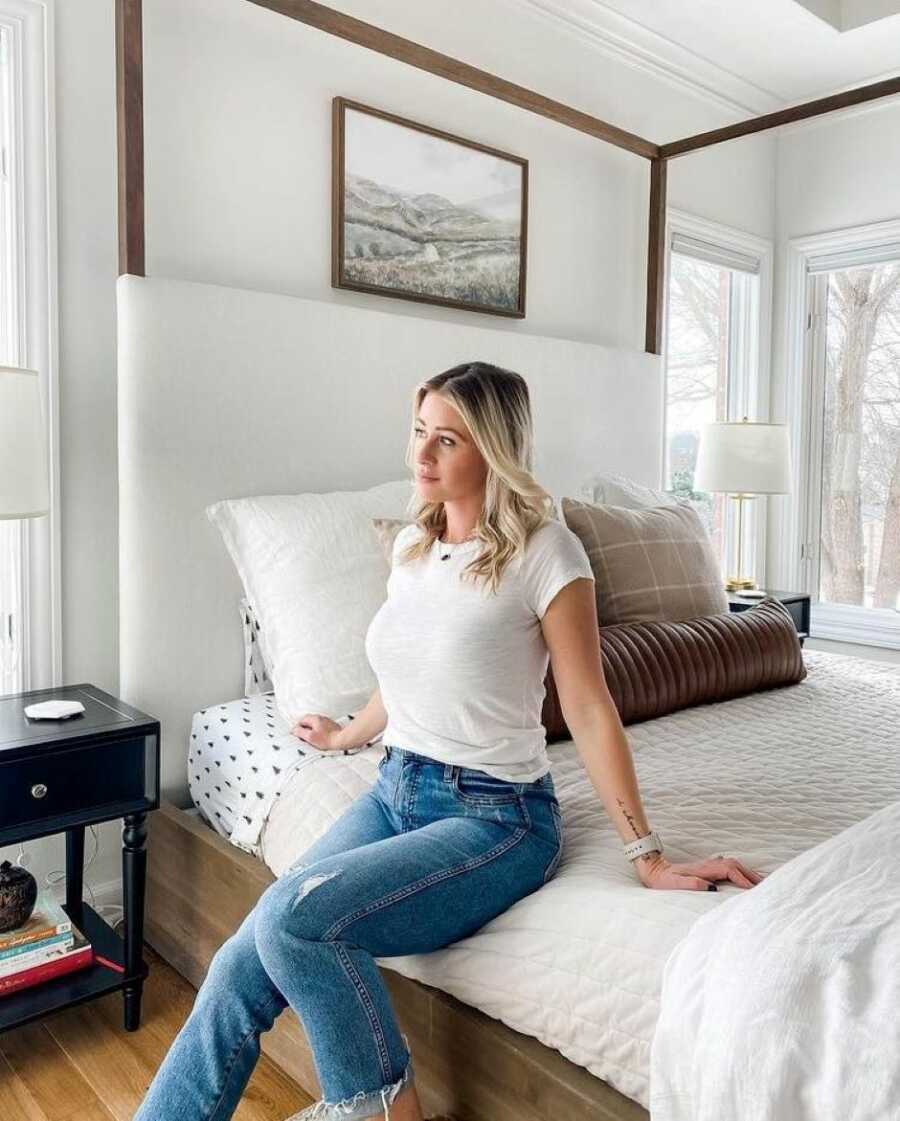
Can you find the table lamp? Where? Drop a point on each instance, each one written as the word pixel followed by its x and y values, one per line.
pixel 24 490
pixel 743 458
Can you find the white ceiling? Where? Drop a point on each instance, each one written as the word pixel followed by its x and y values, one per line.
pixel 847 14
pixel 755 55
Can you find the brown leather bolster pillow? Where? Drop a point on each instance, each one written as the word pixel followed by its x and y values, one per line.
pixel 655 668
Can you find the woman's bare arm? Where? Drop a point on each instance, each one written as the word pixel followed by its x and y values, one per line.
pixel 365 726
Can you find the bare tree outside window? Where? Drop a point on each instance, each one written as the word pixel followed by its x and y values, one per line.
pixel 860 536
pixel 697 357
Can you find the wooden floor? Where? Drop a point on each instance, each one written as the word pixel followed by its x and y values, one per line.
pixel 81 1065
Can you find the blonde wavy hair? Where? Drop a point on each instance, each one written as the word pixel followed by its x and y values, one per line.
pixel 495 405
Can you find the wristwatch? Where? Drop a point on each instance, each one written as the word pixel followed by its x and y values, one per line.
pixel 634 849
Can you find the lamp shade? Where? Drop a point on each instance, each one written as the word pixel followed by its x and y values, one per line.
pixel 744 457
pixel 24 489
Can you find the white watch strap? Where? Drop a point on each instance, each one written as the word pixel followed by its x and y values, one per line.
pixel 650 843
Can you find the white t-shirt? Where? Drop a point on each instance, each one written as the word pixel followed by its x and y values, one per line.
pixel 461 670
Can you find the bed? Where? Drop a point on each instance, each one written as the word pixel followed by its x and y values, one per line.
pixel 211 383
pixel 579 964
pixel 224 392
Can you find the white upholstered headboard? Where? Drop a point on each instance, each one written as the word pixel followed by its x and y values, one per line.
pixel 225 393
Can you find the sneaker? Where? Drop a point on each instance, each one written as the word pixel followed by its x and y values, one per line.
pixel 311 1113
pixel 316 1111
pixel 319 1111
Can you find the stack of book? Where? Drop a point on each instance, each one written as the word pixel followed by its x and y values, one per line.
pixel 46 945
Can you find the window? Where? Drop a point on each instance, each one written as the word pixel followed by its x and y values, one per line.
pixel 29 549
pixel 718 291
pixel 859 556
pixel 8 312
pixel 844 380
pixel 11 546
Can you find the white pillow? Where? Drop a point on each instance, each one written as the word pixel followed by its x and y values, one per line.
pixel 606 489
pixel 313 569
pixel 257 677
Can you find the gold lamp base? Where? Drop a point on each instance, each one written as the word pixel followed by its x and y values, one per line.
pixel 740 583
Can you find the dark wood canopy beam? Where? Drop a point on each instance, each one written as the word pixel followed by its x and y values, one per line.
pixel 129 94
pixel 405 50
pixel 782 117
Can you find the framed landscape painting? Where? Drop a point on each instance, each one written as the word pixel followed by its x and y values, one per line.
pixel 422 215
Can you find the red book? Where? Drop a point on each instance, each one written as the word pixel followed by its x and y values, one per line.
pixel 80 959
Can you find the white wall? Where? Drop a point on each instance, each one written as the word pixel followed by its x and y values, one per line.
pixel 837 171
pixel 238 144
pixel 840 170
pixel 238 168
pixel 87 246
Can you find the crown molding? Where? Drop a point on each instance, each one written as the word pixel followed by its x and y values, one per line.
pixel 628 41
pixel 879 105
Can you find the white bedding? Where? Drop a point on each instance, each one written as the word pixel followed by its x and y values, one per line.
pixel 579 964
pixel 783 1005
pixel 240 755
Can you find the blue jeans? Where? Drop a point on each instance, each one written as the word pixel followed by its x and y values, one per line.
pixel 424 858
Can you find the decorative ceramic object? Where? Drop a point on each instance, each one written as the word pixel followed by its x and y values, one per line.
pixel 18 894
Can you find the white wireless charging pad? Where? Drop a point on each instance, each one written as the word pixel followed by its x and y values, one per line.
pixel 53 710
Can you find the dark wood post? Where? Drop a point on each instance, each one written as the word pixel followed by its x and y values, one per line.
pixel 130 135
pixel 656 257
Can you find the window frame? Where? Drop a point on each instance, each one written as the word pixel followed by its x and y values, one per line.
pixel 32 163
pixel 748 387
pixel 804 365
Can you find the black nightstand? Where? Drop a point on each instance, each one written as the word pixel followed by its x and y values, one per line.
pixel 796 602
pixel 62 775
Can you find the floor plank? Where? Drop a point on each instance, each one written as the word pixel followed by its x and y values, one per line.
pixel 59 1088
pixel 15 1100
pixel 117 1069
pixel 81 1065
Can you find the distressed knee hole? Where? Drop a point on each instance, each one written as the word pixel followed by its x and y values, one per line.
pixel 313 882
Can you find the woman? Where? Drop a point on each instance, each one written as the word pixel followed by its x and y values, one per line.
pixel 463 819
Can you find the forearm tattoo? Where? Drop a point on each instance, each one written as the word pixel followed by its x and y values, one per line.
pixel 646 857
pixel 628 817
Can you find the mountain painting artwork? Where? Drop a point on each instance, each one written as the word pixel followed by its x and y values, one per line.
pixel 422 215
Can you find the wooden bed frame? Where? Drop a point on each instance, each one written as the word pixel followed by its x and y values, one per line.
pixel 467 1063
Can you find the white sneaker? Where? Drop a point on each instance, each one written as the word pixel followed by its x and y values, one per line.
pixel 319 1111
pixel 313 1112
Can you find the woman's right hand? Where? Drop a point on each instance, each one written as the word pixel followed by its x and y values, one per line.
pixel 320 731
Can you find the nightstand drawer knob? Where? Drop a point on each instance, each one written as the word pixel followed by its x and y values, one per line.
pixel 38 790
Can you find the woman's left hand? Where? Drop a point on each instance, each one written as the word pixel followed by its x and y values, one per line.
pixel 655 871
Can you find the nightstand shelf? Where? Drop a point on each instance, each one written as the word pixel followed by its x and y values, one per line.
pixel 796 602
pixel 73 988
pixel 61 776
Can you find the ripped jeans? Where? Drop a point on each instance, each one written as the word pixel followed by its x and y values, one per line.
pixel 424 858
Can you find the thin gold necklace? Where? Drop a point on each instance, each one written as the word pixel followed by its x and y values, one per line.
pixel 443 545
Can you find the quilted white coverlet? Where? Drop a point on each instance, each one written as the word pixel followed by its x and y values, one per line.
pixel 782 1006
pixel 579 964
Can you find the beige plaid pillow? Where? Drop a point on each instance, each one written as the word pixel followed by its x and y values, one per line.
pixel 650 565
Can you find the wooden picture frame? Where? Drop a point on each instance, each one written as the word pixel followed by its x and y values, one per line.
pixel 401 259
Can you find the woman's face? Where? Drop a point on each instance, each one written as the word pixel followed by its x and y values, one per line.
pixel 446 453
